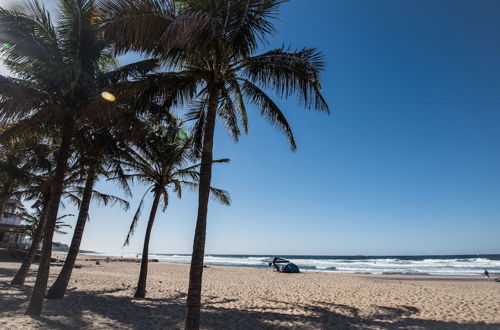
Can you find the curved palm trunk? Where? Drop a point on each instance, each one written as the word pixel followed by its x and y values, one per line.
pixel 58 289
pixel 192 320
pixel 37 238
pixel 140 292
pixel 36 301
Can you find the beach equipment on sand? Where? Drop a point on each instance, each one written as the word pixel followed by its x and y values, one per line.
pixel 290 268
pixel 276 260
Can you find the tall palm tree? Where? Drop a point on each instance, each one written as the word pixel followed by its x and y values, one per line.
pixel 96 148
pixel 216 41
pixel 162 161
pixel 44 163
pixel 26 165
pixel 39 191
pixel 55 69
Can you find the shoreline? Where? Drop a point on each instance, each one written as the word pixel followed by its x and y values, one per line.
pixel 403 276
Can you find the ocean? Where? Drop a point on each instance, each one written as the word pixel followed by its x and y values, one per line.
pixel 444 265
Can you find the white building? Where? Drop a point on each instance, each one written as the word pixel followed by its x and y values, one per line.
pixel 12 227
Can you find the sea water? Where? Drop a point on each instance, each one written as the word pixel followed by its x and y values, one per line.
pixel 445 265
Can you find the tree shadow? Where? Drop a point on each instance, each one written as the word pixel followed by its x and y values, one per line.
pixel 12 297
pixel 391 313
pixel 7 273
pixel 114 308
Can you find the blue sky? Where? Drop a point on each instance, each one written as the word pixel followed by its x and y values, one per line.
pixel 407 163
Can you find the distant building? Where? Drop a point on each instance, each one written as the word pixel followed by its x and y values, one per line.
pixel 12 227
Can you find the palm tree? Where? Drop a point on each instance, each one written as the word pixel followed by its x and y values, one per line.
pixel 96 148
pixel 162 161
pixel 25 166
pixel 216 41
pixel 55 71
pixel 38 190
pixel 42 158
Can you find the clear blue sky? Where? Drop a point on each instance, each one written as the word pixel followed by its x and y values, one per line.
pixel 408 162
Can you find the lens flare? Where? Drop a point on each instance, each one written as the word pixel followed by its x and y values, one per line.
pixel 108 96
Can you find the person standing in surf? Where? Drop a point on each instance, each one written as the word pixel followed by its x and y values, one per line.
pixel 486 274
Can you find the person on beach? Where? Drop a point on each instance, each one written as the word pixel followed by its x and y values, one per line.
pixel 486 274
pixel 275 266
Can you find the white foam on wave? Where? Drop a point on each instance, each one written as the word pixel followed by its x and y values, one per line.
pixel 431 266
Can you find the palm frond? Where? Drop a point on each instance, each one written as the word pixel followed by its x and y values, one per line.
pixel 268 109
pixel 74 198
pixel 77 23
pixel 218 195
pixel 227 114
pixel 110 200
pixel 121 179
pixel 221 196
pixel 197 114
pixel 289 72
pixel 167 89
pixel 250 22
pixel 132 71
pixel 135 220
pixel 28 29
pixel 136 24
pixel 17 100
pixel 236 93
pixel 164 194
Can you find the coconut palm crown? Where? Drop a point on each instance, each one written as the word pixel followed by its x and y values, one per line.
pixel 162 161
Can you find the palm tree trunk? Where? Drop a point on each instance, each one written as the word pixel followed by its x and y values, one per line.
pixel 192 321
pixel 36 301
pixel 37 237
pixel 58 289
pixel 140 292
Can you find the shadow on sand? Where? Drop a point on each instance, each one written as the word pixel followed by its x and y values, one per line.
pixel 120 311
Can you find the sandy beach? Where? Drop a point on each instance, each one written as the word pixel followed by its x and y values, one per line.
pixel 100 296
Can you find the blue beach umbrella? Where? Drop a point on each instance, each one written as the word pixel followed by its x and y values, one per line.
pixel 276 260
